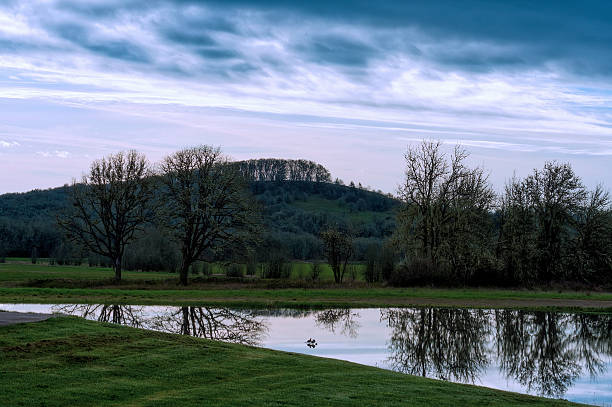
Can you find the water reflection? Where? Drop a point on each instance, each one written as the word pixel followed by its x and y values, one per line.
pixel 340 320
pixel 117 314
pixel 448 344
pixel 544 353
pixel 222 324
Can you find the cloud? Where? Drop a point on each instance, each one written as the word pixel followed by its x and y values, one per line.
pixel 497 75
pixel 468 37
pixel 8 144
pixel 56 153
pixel 337 49
pixel 97 43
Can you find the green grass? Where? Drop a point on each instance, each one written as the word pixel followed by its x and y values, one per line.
pixel 17 271
pixel 25 272
pixel 72 362
pixel 313 298
pixel 25 283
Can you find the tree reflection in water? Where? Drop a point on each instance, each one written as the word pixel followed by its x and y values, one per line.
pixel 117 314
pixel 342 319
pixel 448 344
pixel 221 324
pixel 546 352
pixel 543 351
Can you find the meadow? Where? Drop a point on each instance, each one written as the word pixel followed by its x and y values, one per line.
pixel 23 282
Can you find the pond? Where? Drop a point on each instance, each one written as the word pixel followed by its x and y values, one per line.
pixel 551 354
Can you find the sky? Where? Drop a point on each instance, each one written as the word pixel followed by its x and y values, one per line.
pixel 348 84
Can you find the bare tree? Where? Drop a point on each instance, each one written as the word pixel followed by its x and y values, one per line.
pixel 339 249
pixel 517 239
pixel 446 204
pixel 208 208
pixel 593 255
pixel 557 194
pixel 110 205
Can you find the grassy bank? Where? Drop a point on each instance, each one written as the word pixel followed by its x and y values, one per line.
pixel 69 284
pixel 69 361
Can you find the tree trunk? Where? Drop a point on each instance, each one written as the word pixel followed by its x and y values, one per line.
pixel 184 273
pixel 117 268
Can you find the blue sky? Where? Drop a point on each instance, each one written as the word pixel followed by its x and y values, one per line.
pixel 348 83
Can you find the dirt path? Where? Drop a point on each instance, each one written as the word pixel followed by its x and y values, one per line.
pixel 10 318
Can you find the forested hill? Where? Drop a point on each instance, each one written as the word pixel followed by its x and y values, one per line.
pixel 297 201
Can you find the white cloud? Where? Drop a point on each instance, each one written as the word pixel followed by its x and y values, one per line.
pixel 8 144
pixel 56 153
pixel 290 98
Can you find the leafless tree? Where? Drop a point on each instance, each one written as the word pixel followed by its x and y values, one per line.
pixel 207 205
pixel 446 207
pixel 557 194
pixel 593 255
pixel 110 205
pixel 339 249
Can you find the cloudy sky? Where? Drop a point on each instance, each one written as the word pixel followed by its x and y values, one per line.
pixel 348 84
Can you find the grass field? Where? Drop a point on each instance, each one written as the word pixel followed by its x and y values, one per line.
pixel 21 269
pixel 27 283
pixel 72 362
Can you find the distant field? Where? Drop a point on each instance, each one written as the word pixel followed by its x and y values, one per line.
pixel 20 269
pixel 43 271
pixel 113 365
pixel 40 283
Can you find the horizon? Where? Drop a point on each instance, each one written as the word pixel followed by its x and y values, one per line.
pixel 346 84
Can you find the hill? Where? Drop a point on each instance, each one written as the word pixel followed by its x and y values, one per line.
pixel 294 213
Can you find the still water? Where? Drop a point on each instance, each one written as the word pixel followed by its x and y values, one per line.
pixel 550 354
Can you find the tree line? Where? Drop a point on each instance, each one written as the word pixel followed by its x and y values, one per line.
pixel 274 169
pixel 450 226
pixel 545 227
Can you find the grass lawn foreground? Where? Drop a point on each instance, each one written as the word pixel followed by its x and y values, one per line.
pixel 66 361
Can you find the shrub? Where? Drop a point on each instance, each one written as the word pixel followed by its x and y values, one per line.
pixel 418 271
pixel 372 272
pixel 352 271
pixel 196 268
pixel 315 271
pixel 373 269
pixel 34 255
pixel 277 267
pixel 234 270
pixel 207 268
pixel 386 262
pixel 251 267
